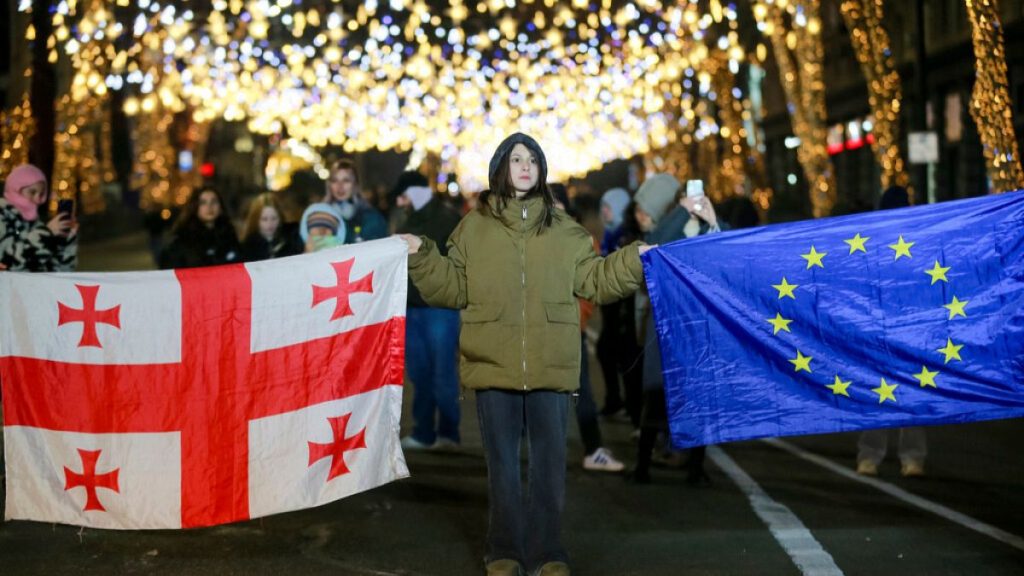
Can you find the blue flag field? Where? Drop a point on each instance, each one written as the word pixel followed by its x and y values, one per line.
pixel 913 316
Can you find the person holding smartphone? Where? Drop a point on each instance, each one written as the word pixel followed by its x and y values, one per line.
pixel 663 219
pixel 26 243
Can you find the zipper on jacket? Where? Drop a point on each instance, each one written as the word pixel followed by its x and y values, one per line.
pixel 522 262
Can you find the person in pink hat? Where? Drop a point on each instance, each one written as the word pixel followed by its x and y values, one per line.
pixel 26 243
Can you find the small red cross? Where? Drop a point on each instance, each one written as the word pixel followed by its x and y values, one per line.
pixel 343 289
pixel 88 315
pixel 90 480
pixel 336 449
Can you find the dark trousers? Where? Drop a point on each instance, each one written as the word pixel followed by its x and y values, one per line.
pixel 431 342
pixel 528 529
pixel 586 408
pixel 621 359
pixel 608 350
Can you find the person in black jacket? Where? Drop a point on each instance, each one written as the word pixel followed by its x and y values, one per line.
pixel 432 334
pixel 203 234
pixel 265 235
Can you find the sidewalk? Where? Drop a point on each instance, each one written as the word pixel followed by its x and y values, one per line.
pixel 120 254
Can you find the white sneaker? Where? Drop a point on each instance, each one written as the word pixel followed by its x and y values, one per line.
pixel 410 443
pixel 602 461
pixel 445 444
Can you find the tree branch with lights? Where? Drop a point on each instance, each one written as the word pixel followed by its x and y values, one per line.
pixel 885 93
pixel 794 29
pixel 990 100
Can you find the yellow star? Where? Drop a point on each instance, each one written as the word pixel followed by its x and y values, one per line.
pixel 938 273
pixel 902 248
pixel 926 377
pixel 839 387
pixel 801 362
pixel 950 350
pixel 885 391
pixel 814 258
pixel 779 323
pixel 785 289
pixel 857 243
pixel 956 307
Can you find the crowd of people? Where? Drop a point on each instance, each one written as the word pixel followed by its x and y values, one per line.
pixel 500 297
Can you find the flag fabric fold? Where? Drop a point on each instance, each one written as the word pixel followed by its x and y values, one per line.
pixel 197 397
pixel 913 316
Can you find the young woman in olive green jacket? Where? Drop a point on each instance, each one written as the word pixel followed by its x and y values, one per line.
pixel 515 267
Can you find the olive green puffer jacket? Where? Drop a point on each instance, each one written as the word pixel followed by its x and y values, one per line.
pixel 517 289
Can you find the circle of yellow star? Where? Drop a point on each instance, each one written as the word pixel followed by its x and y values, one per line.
pixel 814 258
pixel 952 351
pixel 902 248
pixel 956 308
pixel 926 377
pixel 779 323
pixel 785 289
pixel 938 273
pixel 857 243
pixel 801 362
pixel 839 387
pixel 885 391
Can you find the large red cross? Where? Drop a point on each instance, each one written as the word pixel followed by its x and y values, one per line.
pixel 90 480
pixel 343 289
pixel 212 394
pixel 88 315
pixel 337 448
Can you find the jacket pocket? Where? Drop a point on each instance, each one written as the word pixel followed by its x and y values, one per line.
pixel 562 335
pixel 482 338
pixel 476 313
pixel 562 313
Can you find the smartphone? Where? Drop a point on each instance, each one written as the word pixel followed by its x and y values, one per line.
pixel 66 206
pixel 694 188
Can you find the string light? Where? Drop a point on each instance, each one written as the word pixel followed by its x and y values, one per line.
pixel 885 93
pixel 587 79
pixel 990 100
pixel 16 129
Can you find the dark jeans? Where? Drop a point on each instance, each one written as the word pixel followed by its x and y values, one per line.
pixel 528 529
pixel 586 409
pixel 431 342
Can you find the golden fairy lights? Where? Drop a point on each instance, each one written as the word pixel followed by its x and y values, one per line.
pixel 990 100
pixel 794 28
pixel 407 75
pixel 17 127
pixel 885 94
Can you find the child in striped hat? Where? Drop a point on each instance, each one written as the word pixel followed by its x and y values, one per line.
pixel 321 227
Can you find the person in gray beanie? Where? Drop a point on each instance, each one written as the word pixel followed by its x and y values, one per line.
pixel 654 199
pixel 515 266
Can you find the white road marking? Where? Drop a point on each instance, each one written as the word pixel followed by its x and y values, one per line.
pixel 806 552
pixel 897 492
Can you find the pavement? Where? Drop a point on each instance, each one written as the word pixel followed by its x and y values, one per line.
pixel 785 506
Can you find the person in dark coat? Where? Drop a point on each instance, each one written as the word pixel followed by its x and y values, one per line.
pixel 362 221
pixel 265 235
pixel 203 234
pixel 663 219
pixel 432 334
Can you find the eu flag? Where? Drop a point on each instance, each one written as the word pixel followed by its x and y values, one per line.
pixel 901 317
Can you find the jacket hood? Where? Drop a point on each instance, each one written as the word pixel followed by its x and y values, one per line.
pixel 506 146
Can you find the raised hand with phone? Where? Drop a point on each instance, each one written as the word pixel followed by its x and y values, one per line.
pixel 697 204
pixel 63 223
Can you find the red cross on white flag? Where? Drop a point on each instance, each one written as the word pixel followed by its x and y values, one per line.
pixel 203 396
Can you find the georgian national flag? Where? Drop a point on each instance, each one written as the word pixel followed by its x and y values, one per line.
pixel 196 397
